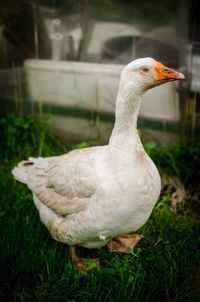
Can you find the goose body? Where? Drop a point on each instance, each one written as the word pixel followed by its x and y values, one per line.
pixel 89 196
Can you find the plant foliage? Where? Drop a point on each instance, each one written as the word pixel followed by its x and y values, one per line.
pixel 34 267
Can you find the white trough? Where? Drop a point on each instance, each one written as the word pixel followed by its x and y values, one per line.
pixel 93 87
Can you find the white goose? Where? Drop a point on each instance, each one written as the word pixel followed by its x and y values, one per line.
pixel 89 196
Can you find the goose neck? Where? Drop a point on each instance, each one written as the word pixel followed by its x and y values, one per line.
pixel 125 134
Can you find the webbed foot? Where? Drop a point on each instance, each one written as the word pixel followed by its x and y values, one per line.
pixel 124 244
pixel 83 264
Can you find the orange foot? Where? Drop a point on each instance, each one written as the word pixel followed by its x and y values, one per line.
pixel 124 244
pixel 83 265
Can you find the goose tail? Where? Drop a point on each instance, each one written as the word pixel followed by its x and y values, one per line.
pixel 21 171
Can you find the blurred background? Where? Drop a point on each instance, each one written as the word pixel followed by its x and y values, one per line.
pixel 62 59
pixel 60 63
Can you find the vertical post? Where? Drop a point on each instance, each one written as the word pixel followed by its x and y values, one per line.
pixel 184 62
pixel 87 28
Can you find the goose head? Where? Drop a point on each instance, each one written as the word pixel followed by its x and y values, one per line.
pixel 145 73
pixel 137 77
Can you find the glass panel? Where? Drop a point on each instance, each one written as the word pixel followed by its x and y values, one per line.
pixel 98 31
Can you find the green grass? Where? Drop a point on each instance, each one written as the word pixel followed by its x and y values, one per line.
pixel 165 265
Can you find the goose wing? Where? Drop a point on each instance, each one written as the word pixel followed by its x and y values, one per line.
pixel 65 183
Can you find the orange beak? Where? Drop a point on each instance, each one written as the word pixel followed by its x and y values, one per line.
pixel 165 74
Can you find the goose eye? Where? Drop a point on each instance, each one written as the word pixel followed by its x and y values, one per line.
pixel 145 69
